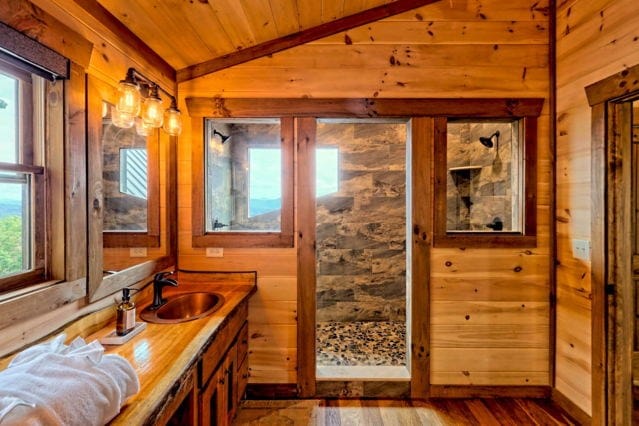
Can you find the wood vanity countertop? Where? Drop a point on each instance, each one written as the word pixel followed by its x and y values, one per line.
pixel 162 353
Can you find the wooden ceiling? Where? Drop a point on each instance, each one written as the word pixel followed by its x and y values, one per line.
pixel 190 33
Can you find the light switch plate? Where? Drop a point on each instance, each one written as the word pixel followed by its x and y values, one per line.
pixel 581 249
pixel 214 252
pixel 137 252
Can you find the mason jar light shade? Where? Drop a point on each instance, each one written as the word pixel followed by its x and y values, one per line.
pixel 128 98
pixel 141 128
pixel 152 112
pixel 172 121
pixel 122 120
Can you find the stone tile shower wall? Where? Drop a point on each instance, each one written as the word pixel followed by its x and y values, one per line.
pixel 479 186
pixel 361 229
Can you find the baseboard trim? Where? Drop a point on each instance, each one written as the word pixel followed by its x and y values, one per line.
pixel 463 391
pixel 570 407
pixel 271 391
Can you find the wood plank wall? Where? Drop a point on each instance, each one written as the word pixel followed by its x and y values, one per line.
pixel 490 309
pixel 595 39
pixel 64 27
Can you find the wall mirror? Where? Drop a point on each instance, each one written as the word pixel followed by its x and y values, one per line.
pixel 130 166
pixel 131 173
pixel 486 182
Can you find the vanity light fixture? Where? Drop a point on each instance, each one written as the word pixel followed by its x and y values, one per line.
pixel 139 103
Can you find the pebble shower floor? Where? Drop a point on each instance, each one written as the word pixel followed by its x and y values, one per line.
pixel 361 343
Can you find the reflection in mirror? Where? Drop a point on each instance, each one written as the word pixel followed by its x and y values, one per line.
pixel 243 175
pixel 131 231
pixel 484 179
pixel 124 173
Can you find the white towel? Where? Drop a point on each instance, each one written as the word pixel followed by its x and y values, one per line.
pixel 55 384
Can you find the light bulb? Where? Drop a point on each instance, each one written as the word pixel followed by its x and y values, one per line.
pixel 172 121
pixel 152 112
pixel 128 98
pixel 119 119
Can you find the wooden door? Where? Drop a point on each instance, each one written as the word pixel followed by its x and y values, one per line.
pixel 623 253
pixel 634 267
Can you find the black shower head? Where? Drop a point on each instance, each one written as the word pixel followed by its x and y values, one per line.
pixel 488 141
pixel 222 136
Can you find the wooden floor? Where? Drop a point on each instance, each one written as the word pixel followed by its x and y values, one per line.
pixel 348 412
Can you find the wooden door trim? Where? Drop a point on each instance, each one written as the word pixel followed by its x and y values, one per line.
pixel 423 132
pixel 603 97
pixel 306 286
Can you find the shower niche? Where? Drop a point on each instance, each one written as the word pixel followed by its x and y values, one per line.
pixel 485 191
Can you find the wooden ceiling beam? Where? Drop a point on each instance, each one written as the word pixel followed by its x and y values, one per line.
pixel 125 36
pixel 301 37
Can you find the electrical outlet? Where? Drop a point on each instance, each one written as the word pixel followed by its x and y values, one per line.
pixel 581 249
pixel 137 252
pixel 214 252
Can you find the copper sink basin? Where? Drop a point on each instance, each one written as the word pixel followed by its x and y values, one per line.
pixel 184 307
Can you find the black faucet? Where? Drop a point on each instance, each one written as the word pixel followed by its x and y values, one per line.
pixel 160 281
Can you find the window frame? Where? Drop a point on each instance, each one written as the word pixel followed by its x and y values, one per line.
pixel 527 237
pixel 201 238
pixel 31 104
pixel 151 237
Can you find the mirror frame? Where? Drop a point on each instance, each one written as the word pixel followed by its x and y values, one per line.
pixel 100 286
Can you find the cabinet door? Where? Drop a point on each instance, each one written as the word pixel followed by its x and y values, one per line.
pixel 231 379
pixel 213 404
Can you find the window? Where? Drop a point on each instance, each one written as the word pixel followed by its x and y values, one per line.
pixel 265 181
pixel 22 188
pixel 248 186
pixel 133 166
pixel 485 189
pixel 327 171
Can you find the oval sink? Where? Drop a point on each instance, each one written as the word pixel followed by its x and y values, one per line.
pixel 184 307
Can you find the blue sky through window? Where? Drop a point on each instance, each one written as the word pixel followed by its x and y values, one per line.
pixel 265 180
pixel 11 195
pixel 265 177
pixel 326 171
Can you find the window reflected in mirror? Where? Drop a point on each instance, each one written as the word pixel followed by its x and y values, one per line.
pixel 125 181
pixel 484 179
pixel 243 175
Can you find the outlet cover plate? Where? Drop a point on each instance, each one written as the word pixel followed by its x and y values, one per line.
pixel 581 249
pixel 137 252
pixel 214 252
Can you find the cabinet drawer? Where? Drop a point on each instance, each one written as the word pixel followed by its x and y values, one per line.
pixel 242 345
pixel 242 379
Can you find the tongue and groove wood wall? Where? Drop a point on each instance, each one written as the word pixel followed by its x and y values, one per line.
pixel 595 39
pixel 490 307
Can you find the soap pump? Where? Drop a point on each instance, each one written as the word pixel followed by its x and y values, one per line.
pixel 125 321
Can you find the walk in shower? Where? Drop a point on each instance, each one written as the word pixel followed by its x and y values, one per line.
pixel 361 252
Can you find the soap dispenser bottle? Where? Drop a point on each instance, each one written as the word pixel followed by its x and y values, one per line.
pixel 125 321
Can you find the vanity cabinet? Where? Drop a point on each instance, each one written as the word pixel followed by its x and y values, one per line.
pixel 223 371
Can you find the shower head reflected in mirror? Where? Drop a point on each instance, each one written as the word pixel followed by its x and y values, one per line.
pixel 488 141
pixel 222 136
